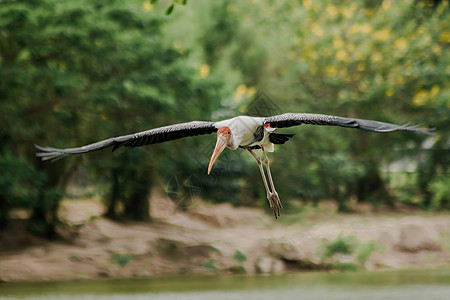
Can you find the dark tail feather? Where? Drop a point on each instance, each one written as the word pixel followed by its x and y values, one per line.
pixel 279 138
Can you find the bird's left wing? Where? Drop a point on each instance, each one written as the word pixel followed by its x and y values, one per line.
pixel 152 136
pixel 294 119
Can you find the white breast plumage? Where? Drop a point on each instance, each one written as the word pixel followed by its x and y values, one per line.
pixel 242 128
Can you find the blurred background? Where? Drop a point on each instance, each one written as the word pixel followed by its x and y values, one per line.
pixel 78 71
pixel 75 72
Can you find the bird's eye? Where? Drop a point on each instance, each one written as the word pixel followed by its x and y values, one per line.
pixel 228 132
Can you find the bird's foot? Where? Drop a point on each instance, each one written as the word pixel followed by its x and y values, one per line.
pixel 275 203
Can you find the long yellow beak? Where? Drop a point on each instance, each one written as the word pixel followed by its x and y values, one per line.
pixel 220 146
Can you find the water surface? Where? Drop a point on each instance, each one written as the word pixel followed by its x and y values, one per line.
pixel 405 284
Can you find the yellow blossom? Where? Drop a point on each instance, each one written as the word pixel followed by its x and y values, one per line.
pixel 369 11
pixel 240 91
pixel 360 28
pixel 331 71
pixel 204 70
pixel 437 49
pixel 348 12
pixel 147 6
pixel 376 57
pixel 177 46
pixel 307 4
pixel 444 37
pixel 251 91
pixel 243 92
pixel 341 55
pixel 382 35
pixel 401 43
pixel 317 30
pixel 365 28
pixel 434 91
pixel 420 98
pixel 332 11
pixel 390 92
pixel 399 80
pixel 386 4
pixel 338 43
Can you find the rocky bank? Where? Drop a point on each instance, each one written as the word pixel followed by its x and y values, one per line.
pixel 212 239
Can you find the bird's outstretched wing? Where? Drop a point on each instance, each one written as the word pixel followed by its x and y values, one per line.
pixel 152 136
pixel 294 119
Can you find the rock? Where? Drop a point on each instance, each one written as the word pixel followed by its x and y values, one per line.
pixel 176 249
pixel 284 250
pixel 414 238
pixel 287 256
pixel 269 265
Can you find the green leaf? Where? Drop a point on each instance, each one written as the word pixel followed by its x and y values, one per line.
pixel 153 2
pixel 170 9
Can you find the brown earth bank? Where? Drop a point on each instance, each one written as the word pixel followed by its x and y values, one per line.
pixel 210 239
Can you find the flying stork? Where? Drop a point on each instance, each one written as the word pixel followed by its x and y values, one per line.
pixel 244 132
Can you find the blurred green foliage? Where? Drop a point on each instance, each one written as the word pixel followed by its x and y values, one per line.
pixel 440 189
pixel 20 184
pixel 383 60
pixel 74 72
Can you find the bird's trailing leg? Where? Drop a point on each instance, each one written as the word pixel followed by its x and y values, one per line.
pixel 275 198
pixel 274 201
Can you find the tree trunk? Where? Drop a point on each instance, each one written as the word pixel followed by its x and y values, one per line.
pixel 4 209
pixel 137 206
pixel 371 188
pixel 43 221
pixel 114 196
pixel 44 216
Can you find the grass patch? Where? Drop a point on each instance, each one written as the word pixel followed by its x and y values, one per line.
pixel 122 259
pixel 210 266
pixel 240 259
pixel 365 252
pixel 341 245
pixel 346 253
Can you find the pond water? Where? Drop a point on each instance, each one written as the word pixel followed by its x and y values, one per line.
pixel 405 284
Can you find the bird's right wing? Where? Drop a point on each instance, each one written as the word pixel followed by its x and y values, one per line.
pixel 295 119
pixel 152 136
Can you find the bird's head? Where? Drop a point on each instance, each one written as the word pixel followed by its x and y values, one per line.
pixel 223 140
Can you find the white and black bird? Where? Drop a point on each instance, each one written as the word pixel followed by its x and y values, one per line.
pixel 239 132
